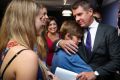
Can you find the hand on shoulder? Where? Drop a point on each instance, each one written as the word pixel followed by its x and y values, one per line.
pixel 68 45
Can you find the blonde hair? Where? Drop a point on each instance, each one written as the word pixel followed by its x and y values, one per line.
pixel 19 24
pixel 42 47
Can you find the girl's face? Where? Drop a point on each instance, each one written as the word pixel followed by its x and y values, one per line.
pixel 41 19
pixel 52 27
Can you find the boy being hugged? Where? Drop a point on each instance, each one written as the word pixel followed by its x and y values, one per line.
pixel 70 30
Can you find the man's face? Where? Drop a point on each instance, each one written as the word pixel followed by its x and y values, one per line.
pixel 83 17
pixel 41 19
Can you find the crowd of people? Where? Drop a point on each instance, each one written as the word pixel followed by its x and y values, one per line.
pixel 32 46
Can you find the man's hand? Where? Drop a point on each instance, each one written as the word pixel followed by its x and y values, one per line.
pixel 86 76
pixel 68 45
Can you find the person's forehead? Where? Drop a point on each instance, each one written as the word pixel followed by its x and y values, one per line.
pixel 78 10
pixel 43 10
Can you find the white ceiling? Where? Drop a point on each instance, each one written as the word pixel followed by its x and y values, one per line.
pixel 56 4
pixel 59 4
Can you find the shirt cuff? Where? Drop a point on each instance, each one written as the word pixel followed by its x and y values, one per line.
pixel 96 73
pixel 57 45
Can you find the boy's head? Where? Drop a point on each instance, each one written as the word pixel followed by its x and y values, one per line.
pixel 71 30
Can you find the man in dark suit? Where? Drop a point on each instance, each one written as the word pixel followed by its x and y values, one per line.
pixel 104 47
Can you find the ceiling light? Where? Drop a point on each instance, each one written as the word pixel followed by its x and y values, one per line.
pixel 66 13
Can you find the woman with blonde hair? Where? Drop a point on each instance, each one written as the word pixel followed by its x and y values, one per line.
pixel 41 21
pixel 17 41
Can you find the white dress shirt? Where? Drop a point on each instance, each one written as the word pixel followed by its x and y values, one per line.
pixel 93 29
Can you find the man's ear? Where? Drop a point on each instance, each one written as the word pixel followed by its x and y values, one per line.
pixel 90 10
pixel 67 36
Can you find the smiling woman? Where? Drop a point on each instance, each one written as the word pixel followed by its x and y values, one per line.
pixel 51 36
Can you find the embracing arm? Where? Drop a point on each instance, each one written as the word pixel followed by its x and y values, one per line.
pixel 68 45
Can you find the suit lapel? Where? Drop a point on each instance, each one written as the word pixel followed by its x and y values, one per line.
pixel 97 38
pixel 97 41
pixel 82 52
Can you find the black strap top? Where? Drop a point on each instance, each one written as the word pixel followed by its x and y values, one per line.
pixel 10 62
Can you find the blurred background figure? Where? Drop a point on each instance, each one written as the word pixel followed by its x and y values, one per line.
pixel 97 15
pixel 51 36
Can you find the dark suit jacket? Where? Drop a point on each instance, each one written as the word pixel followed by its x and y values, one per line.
pixel 105 57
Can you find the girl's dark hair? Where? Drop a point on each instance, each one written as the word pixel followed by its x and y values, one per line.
pixel 52 18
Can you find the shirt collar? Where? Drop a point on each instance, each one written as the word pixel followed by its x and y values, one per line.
pixel 94 24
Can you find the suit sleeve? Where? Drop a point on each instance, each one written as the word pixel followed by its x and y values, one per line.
pixel 55 46
pixel 113 46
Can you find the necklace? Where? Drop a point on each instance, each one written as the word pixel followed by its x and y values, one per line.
pixel 10 44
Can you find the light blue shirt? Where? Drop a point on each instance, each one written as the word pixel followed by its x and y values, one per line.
pixel 71 62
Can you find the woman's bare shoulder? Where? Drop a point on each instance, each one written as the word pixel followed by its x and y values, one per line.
pixel 26 65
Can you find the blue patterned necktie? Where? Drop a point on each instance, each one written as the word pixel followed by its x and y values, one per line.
pixel 88 41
